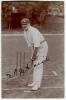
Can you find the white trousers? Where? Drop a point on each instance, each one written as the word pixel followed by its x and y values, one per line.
pixel 38 70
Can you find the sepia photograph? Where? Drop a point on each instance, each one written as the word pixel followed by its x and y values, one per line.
pixel 32 45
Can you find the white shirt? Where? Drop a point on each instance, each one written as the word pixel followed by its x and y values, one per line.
pixel 33 37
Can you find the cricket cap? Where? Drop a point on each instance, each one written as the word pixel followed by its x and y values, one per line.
pixel 25 21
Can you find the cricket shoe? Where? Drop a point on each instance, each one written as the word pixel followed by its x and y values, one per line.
pixel 30 85
pixel 35 88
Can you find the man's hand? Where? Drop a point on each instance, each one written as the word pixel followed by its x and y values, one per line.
pixel 33 58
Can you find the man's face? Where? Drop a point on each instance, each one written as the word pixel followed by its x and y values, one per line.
pixel 24 26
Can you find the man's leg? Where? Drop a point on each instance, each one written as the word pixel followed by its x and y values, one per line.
pixel 37 76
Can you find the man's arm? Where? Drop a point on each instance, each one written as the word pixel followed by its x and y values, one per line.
pixel 34 54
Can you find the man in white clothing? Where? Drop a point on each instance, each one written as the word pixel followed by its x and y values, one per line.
pixel 37 42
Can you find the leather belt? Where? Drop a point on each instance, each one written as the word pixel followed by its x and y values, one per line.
pixel 42 41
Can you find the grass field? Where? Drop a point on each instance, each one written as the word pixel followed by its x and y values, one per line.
pixel 53 79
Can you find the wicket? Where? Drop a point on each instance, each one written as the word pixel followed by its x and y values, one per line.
pixel 19 67
pixel 15 70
